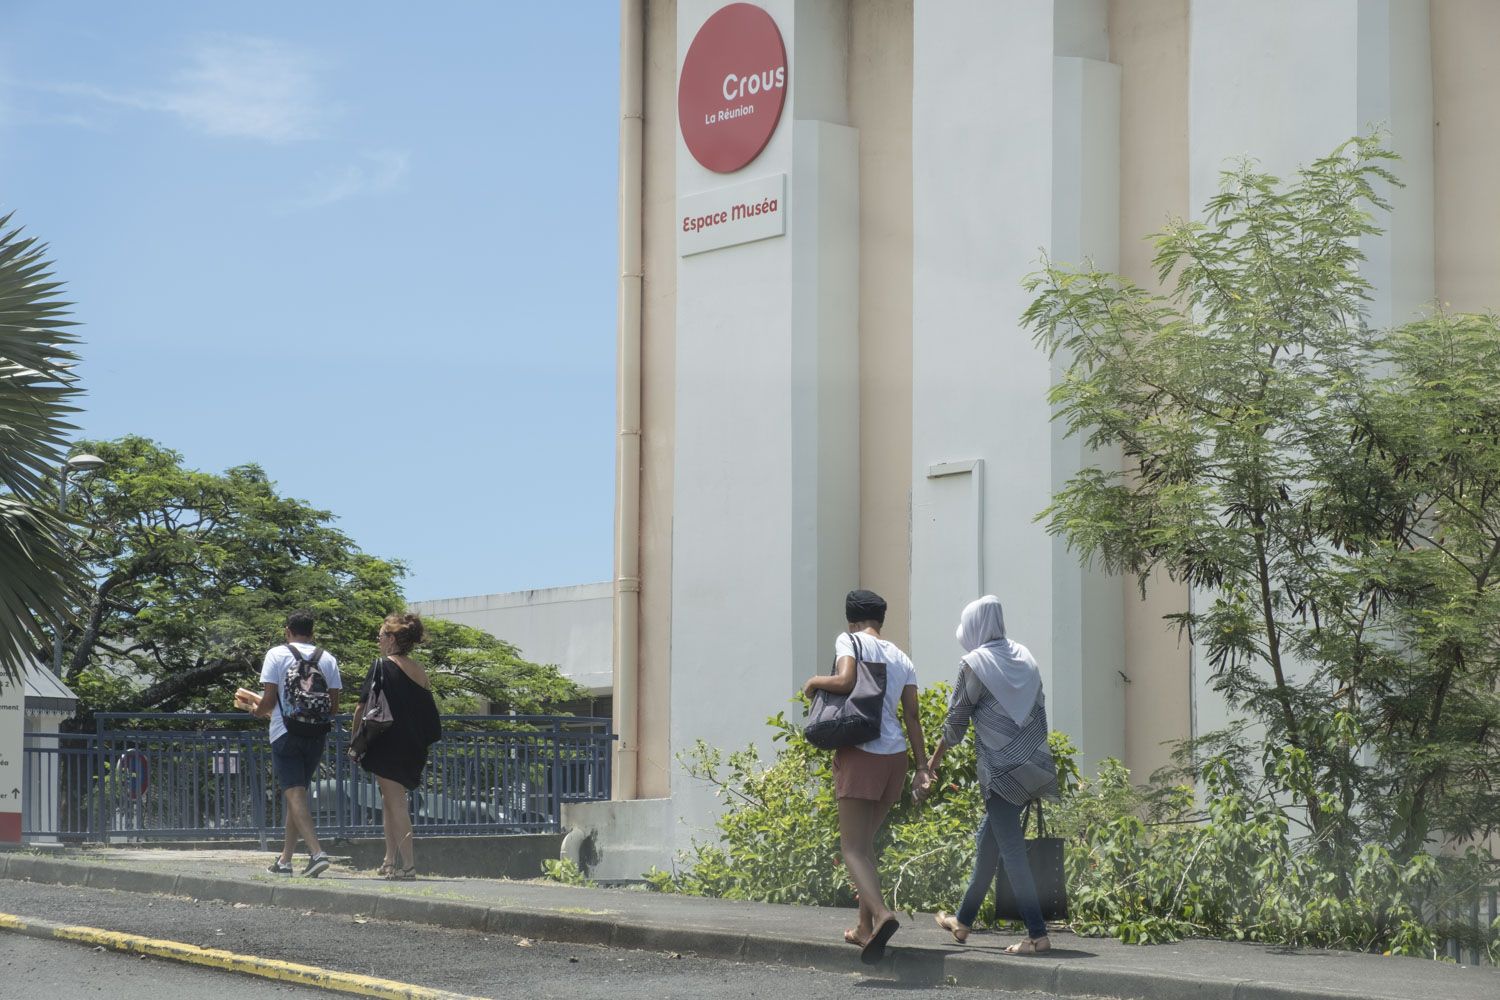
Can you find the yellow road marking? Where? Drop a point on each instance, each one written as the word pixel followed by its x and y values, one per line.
pixel 228 961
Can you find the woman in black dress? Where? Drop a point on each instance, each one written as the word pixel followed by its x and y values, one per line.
pixel 396 757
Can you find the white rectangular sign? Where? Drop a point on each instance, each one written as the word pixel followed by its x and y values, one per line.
pixel 724 217
pixel 12 722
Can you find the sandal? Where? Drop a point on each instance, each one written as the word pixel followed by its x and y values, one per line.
pixel 949 923
pixel 874 949
pixel 402 874
pixel 851 936
pixel 385 869
pixel 1030 946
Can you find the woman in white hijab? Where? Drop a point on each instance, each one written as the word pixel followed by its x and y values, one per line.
pixel 1000 690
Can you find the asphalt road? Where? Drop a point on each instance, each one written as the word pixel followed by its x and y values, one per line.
pixel 461 961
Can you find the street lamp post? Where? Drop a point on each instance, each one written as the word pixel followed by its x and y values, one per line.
pixel 78 463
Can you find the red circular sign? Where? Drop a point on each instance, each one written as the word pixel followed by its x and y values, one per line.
pixel 732 88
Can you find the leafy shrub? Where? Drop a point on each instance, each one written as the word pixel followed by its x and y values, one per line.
pixel 780 833
pixel 1235 871
pixel 566 871
pixel 1144 865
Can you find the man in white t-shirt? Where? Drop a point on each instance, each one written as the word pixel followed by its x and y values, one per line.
pixel 295 756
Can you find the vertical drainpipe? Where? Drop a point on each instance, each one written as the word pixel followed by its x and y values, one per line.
pixel 627 589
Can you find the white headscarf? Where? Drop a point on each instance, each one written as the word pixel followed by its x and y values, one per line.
pixel 1005 668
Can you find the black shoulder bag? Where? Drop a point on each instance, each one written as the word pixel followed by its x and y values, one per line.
pixel 377 718
pixel 1046 856
pixel 847 720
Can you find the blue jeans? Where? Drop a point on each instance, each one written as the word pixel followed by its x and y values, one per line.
pixel 1001 838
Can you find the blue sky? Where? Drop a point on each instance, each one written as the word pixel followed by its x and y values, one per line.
pixel 402 213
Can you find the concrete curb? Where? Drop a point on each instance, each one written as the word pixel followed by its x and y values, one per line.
pixel 226 961
pixel 914 964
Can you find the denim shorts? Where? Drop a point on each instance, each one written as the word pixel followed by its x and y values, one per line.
pixel 294 759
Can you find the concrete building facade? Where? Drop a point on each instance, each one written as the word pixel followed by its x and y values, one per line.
pixel 839 393
pixel 568 627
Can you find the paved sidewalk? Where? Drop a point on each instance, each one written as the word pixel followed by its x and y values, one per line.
pixel 768 934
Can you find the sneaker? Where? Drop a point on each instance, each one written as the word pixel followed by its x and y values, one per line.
pixel 279 867
pixel 316 865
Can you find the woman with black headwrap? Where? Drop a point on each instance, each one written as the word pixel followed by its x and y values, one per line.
pixel 869 778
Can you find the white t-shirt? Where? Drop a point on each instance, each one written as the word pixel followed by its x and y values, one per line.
pixel 899 674
pixel 273 671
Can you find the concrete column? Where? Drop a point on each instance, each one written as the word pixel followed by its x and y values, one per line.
pixel 1088 679
pixel 1465 79
pixel 1149 41
pixel 880 40
pixel 658 396
pixel 765 495
pixel 1395 91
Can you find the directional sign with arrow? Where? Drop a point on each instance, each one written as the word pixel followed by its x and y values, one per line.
pixel 12 716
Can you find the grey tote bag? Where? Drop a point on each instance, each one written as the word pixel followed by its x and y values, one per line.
pixel 847 720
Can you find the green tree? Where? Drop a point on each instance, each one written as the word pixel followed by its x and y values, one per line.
pixel 1433 684
pixel 191 575
pixel 37 385
pixel 1322 485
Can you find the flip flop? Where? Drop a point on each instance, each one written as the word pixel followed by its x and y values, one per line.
pixel 874 949
pixel 852 937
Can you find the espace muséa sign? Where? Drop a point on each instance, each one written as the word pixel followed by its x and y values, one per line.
pixel 733 86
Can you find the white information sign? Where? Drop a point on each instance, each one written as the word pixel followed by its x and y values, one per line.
pixel 724 217
pixel 12 721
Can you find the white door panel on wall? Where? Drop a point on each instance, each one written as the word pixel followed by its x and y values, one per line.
pixel 953 564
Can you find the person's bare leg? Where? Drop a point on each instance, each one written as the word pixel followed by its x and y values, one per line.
pixel 388 864
pixel 387 826
pixel 393 797
pixel 857 840
pixel 866 915
pixel 289 844
pixel 301 816
pixel 860 932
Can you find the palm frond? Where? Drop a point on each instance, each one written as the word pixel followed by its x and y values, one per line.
pixel 38 582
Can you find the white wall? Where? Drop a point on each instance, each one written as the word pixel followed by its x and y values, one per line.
pixel 1013 154
pixel 567 626
pixel 982 210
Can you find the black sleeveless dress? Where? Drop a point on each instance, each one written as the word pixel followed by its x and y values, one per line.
pixel 400 753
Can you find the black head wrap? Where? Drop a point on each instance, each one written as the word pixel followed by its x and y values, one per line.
pixel 864 606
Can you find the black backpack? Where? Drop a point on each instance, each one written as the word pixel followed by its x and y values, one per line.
pixel 306 707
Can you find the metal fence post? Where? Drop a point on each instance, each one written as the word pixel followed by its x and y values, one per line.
pixel 100 780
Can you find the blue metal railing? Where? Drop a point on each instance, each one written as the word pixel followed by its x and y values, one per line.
pixel 159 776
